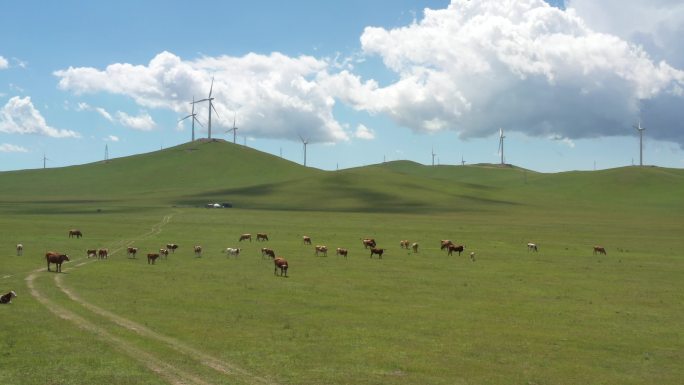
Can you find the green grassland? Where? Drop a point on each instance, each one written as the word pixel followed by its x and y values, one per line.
pixel 559 316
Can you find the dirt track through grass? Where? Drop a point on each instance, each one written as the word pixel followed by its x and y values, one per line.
pixel 167 371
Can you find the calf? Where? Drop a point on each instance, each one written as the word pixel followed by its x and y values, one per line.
pixel 280 263
pixel 20 250
pixel 164 252
pixel 102 253
pixel 244 237
pixel 172 247
pixel 132 251
pixel 341 251
pixel 368 242
pixel 7 298
pixel 532 247
pixel 232 252
pixel 152 258
pixel 262 237
pixel 599 250
pixel 266 251
pixel 306 240
pixel 379 252
pixel 56 258
pixel 322 249
pixel 198 251
pixel 404 244
pixel 414 247
pixel 472 256
pixel 458 248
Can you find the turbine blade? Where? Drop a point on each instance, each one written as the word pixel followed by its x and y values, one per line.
pixel 212 86
pixel 214 108
pixel 197 120
pixel 186 117
pixel 199 101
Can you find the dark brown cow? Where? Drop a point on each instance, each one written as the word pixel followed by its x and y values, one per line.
pixel 600 250
pixel 75 233
pixel 172 247
pixel 445 244
pixel 132 251
pixel 306 240
pixel 103 253
pixel 379 252
pixel 262 237
pixel 341 251
pixel 266 251
pixel 280 263
pixel 7 298
pixel 368 242
pixel 91 253
pixel 244 237
pixel 152 257
pixel 404 244
pixel 458 248
pixel 198 251
pixel 322 249
pixel 56 258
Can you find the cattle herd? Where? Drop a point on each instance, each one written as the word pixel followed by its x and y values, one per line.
pixel 280 263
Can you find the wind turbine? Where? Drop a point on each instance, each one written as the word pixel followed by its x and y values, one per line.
pixel 194 119
pixel 211 105
pixel 106 159
pixel 433 156
pixel 462 161
pixel 234 129
pixel 45 159
pixel 304 142
pixel 641 142
pixel 501 145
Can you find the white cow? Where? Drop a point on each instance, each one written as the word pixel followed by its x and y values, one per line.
pixel 20 249
pixel 532 247
pixel 232 251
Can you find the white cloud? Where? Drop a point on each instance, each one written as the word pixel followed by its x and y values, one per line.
pixel 142 122
pixel 19 116
pixel 112 138
pixel 5 147
pixel 363 132
pixel 82 106
pixel 4 64
pixel 104 113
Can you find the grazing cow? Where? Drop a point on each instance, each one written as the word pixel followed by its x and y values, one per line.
pixel 56 258
pixel 458 248
pixel 280 263
pixel 322 249
pixel 245 236
pixel 75 233
pixel 262 237
pixel 404 244
pixel 532 247
pixel 341 251
pixel 152 258
pixel 599 250
pixel 7 298
pixel 172 247
pixel 20 249
pixel 306 240
pixel 414 246
pixel 266 251
pixel 91 253
pixel 231 251
pixel 445 244
pixel 102 253
pixel 164 252
pixel 472 256
pixel 198 251
pixel 368 242
pixel 132 251
pixel 377 251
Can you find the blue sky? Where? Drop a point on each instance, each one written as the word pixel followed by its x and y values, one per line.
pixel 362 81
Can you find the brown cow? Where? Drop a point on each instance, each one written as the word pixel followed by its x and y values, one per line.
pixel 132 251
pixel 322 249
pixel 341 251
pixel 306 240
pixel 56 258
pixel 75 233
pixel 164 252
pixel 600 250
pixel 198 251
pixel 102 253
pixel 91 253
pixel 404 244
pixel 20 249
pixel 280 263
pixel 7 298
pixel 458 248
pixel 172 247
pixel 266 251
pixel 368 242
pixel 445 244
pixel 262 237
pixel 245 236
pixel 152 257
pixel 376 251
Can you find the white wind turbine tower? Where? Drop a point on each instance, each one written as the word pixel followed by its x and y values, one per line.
pixel 194 118
pixel 45 159
pixel 641 142
pixel 234 129
pixel 501 145
pixel 211 105
pixel 304 142
pixel 433 156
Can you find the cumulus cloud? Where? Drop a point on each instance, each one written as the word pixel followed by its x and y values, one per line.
pixel 5 147
pixel 19 116
pixel 142 122
pixel 4 64
pixel 522 65
pixel 112 138
pixel 363 132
